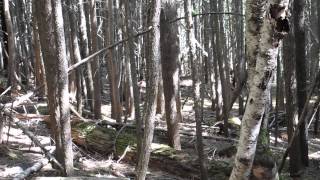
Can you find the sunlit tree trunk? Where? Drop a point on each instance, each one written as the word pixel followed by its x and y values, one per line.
pixel 11 46
pixel 170 71
pixel 262 51
pixel 76 51
pixel 136 94
pixel 196 69
pixel 116 107
pixel 63 91
pixel 152 88
pixel 95 63
pixel 84 46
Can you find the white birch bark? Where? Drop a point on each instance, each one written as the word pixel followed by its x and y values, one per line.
pixel 266 25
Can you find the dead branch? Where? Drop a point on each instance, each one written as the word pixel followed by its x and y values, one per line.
pixel 34 168
pixel 7 110
pixel 89 58
pixel 47 153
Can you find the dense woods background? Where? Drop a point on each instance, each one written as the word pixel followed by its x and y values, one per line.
pixel 160 89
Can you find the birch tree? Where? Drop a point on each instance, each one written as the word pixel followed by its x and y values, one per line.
pixel 266 25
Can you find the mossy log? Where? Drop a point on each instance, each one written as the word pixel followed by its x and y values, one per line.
pixel 107 140
pixel 101 139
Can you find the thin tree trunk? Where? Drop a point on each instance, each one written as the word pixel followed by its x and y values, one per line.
pixel 84 45
pixel 47 41
pixel 116 107
pixel 196 66
pixel 301 77
pixel 95 63
pixel 75 51
pixel 39 68
pixel 262 56
pixel 170 72
pixel 11 46
pixel 136 94
pixel 63 91
pixel 152 88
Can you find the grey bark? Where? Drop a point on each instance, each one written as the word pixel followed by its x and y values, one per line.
pixel 152 88
pixel 63 90
pixel 75 50
pixel 47 42
pixel 170 72
pixel 11 46
pixel 84 45
pixel 95 64
pixel 262 51
pixel 136 96
pixel 196 68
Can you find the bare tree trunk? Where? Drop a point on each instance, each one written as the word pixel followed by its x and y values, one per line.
pixel 95 63
pixel 116 107
pixel 196 67
pixel 216 75
pixel 11 46
pixel 76 51
pixel 136 94
pixel 152 88
pixel 262 51
pixel 170 72
pixel 39 68
pixel 85 53
pixel 288 57
pixel 63 91
pixel 47 41
pixel 301 77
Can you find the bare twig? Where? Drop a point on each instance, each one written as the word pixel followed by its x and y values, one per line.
pixel 208 13
pixel 89 58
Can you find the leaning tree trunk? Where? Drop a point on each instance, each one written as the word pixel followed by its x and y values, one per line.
pixel 170 71
pixel 152 88
pixel 196 83
pixel 266 25
pixel 11 46
pixel 63 91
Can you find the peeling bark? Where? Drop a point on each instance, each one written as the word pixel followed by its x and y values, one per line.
pixel 262 38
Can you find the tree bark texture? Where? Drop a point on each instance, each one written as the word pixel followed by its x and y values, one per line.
pixel 170 71
pixel 152 88
pixel 266 25
pixel 196 79
pixel 63 90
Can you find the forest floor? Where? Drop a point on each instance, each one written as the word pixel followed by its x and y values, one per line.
pixel 18 152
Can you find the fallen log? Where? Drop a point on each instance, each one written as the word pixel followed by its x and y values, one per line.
pixel 101 139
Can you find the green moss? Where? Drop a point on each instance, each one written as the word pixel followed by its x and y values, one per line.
pixel 164 150
pixel 85 128
pixel 43 109
pixel 220 169
pixel 125 139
